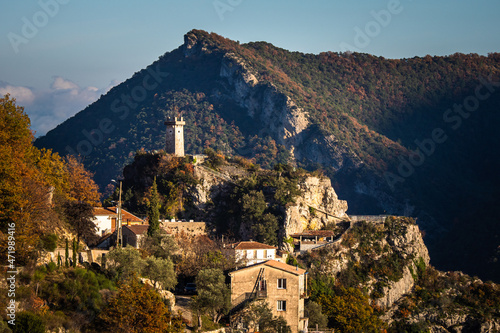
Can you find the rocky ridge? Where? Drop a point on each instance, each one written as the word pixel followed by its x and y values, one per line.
pixel 276 112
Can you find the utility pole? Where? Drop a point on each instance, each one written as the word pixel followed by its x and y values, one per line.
pixel 120 237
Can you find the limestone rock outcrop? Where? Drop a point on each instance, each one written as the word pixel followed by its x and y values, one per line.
pixel 318 206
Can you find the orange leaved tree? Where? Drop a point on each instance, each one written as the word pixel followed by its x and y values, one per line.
pixel 138 308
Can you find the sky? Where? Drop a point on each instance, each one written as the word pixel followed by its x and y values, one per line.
pixel 58 56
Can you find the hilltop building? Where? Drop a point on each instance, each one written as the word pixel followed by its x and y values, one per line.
pixel 174 143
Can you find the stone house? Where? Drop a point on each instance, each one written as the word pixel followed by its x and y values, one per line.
pixel 282 286
pixel 132 234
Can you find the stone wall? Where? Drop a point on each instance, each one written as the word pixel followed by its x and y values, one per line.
pixel 86 255
pixel 189 228
pixel 368 218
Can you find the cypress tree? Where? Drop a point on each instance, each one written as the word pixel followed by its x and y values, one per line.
pixel 74 252
pixel 66 263
pixel 154 211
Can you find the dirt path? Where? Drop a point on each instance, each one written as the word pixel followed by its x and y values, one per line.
pixel 182 305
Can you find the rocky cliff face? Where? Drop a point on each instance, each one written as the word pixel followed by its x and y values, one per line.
pixel 283 120
pixel 382 257
pixel 317 207
pixel 406 241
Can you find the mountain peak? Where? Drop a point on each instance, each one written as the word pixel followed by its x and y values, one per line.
pixel 196 41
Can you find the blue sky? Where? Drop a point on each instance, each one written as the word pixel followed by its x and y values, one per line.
pixel 57 56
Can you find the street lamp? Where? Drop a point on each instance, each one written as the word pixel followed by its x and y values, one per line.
pixel 119 212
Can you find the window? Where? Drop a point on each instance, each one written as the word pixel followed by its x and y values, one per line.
pixel 281 305
pixel 281 283
pixel 262 285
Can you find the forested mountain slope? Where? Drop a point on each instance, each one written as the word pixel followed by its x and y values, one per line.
pixel 405 136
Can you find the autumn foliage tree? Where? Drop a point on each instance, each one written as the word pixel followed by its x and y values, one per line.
pixel 33 184
pixel 28 179
pixel 350 311
pixel 82 187
pixel 138 308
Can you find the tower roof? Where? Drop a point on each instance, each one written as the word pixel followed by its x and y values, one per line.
pixel 175 121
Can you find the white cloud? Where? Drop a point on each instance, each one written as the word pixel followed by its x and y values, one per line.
pixel 62 84
pixel 23 95
pixel 48 108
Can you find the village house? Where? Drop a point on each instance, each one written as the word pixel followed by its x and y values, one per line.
pixel 250 252
pixel 311 239
pixel 106 219
pixel 282 286
pixel 132 234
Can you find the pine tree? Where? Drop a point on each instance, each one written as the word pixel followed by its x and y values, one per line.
pixel 154 211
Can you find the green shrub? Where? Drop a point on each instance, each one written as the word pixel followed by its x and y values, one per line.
pixel 28 322
pixel 4 327
pixel 291 261
pixel 51 266
pixel 39 274
pixel 49 242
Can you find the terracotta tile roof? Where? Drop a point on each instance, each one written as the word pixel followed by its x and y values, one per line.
pixel 104 211
pixel 111 211
pixel 285 267
pixel 250 245
pixel 313 233
pixel 137 229
pixel 277 265
pixel 104 237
